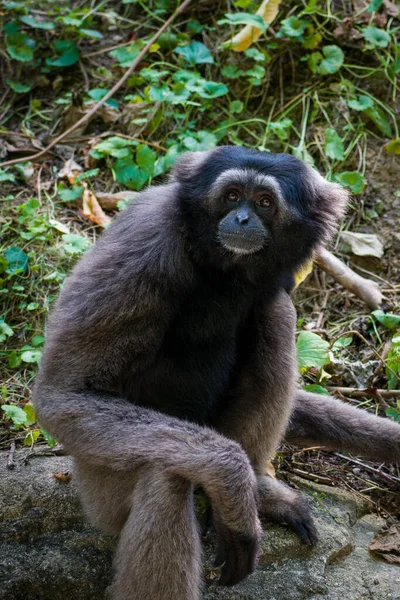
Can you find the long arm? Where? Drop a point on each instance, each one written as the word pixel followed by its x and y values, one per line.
pixel 319 420
pixel 260 405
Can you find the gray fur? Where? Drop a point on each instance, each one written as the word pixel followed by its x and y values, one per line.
pixel 136 467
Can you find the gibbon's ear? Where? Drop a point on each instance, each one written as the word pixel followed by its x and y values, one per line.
pixel 188 166
pixel 329 204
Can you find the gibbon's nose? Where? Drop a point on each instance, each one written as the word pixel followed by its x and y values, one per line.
pixel 242 217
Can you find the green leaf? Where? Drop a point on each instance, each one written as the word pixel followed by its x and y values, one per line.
pixel 388 320
pixel 244 18
pixel 29 410
pixel 99 93
pixel 93 33
pixel 5 175
pixel 68 54
pixel 377 37
pixel 31 356
pixel 15 414
pixel 362 103
pixel 316 389
pixel 70 194
pixel 236 106
pixel 378 116
pixel 74 243
pixel 19 88
pixel 20 46
pixel 195 53
pixel 281 128
pixel 393 147
pixel 342 342
pixel 212 89
pixel 255 54
pixel 51 442
pixel 205 141
pixel 312 350
pixel 129 174
pixel 231 72
pixel 146 158
pixel 112 146
pixel 334 147
pixel 394 413
pixel 37 340
pixel 332 61
pixel 294 27
pixel 351 179
pixel 5 330
pixel 17 260
pixel 31 437
pixel 374 5
pixel 32 22
pixel 126 55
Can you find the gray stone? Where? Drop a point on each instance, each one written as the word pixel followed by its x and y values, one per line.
pixel 49 552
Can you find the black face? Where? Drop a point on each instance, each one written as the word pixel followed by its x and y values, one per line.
pixel 242 230
pixel 257 209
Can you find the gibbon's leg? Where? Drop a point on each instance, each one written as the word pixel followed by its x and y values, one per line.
pixel 109 433
pixel 259 409
pixel 158 554
pixel 319 420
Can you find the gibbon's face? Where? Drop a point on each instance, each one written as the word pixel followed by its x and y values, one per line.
pixel 246 204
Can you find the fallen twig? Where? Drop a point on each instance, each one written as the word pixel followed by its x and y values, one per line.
pixel 10 458
pixel 109 94
pixel 382 474
pixel 359 393
pixel 366 289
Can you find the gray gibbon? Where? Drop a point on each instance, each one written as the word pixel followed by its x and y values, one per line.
pixel 170 363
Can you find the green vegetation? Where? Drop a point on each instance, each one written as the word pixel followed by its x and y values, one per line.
pixel 320 83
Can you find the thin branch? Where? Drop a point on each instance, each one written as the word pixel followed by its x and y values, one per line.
pixel 109 94
pixel 359 393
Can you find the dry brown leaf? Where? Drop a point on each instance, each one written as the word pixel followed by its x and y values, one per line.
pixel 110 201
pixel 387 544
pixel 250 34
pixel 64 477
pixel 270 469
pixel 92 209
pixel 70 170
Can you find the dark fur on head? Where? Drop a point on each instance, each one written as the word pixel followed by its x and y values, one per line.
pixel 315 205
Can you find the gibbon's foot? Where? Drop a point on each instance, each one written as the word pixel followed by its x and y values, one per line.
pixel 278 503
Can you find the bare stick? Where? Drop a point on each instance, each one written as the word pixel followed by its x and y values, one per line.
pixel 358 393
pixel 109 94
pixel 366 289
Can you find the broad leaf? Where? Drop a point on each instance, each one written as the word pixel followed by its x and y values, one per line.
pixel 31 356
pixel 146 158
pixel 362 103
pixel 32 22
pixel 378 116
pixel 312 350
pixel 363 244
pixel 332 61
pixel 333 145
pixel 75 243
pixel 244 18
pixel 388 320
pixel 15 414
pixel 19 88
pixel 68 54
pixel 17 260
pixel 5 330
pixel 377 37
pixel 20 46
pixel 316 389
pixel 195 53
pixel 294 27
pixel 351 179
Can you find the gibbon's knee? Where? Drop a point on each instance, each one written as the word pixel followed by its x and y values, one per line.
pixel 106 495
pixel 158 555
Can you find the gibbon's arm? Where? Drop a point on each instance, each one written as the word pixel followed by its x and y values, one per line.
pixel 319 420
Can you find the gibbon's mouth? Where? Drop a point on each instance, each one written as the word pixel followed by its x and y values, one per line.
pixel 240 244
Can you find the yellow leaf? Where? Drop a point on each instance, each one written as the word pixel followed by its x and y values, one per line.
pixel 393 147
pixel 92 209
pixel 250 34
pixel 303 272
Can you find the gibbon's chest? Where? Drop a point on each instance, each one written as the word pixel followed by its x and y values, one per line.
pixel 192 372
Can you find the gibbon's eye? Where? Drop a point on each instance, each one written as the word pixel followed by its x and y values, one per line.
pixel 264 202
pixel 232 196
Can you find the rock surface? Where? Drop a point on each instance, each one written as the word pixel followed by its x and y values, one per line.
pixel 49 552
